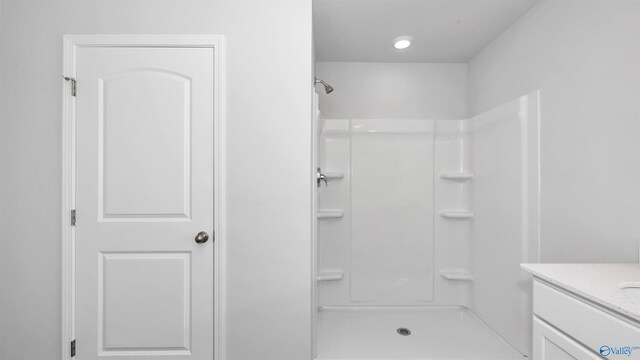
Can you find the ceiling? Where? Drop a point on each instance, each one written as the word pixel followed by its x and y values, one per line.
pixel 442 30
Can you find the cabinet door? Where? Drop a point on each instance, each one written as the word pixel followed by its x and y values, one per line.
pixel 551 344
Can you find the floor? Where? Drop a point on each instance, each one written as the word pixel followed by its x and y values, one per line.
pixel 436 333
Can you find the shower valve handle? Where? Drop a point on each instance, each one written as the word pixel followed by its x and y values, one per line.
pixel 320 177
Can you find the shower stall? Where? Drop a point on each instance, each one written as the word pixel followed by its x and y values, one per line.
pixel 421 228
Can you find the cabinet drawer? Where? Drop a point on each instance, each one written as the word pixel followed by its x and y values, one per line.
pixel 584 322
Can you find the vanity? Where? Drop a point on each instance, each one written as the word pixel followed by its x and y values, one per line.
pixel 585 311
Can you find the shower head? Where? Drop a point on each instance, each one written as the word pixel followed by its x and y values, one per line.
pixel 327 88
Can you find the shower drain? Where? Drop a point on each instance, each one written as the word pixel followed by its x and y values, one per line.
pixel 404 331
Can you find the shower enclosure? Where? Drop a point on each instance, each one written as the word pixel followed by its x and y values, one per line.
pixel 421 227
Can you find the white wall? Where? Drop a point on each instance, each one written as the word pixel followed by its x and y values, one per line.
pixel 393 90
pixel 269 130
pixel 583 56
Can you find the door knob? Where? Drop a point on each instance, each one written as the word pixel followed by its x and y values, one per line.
pixel 202 237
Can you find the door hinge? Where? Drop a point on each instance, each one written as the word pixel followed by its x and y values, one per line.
pixel 73 348
pixel 73 218
pixel 73 84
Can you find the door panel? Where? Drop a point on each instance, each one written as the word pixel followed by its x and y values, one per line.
pixel 142 286
pixel 126 120
pixel 144 189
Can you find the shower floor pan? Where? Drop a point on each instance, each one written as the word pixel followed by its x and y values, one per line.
pixel 380 333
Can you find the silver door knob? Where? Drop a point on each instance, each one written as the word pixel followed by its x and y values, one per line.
pixel 202 237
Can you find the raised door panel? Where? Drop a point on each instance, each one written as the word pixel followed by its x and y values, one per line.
pixel 145 302
pixel 145 147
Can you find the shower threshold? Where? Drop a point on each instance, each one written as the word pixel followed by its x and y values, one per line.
pixel 407 333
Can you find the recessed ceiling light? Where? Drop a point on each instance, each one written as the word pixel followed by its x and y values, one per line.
pixel 402 42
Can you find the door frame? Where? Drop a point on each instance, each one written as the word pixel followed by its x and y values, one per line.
pixel 70 45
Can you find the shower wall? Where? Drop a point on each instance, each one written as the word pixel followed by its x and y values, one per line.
pixel 424 212
pixel 393 97
pixel 505 192
pixel 377 227
pixel 383 236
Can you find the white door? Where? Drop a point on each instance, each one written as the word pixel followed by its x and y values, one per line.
pixel 144 190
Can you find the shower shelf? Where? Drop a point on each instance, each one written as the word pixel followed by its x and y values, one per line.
pixel 330 214
pixel 330 275
pixel 460 275
pixel 334 175
pixel 457 176
pixel 456 214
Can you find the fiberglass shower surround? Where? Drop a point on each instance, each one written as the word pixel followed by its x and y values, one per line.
pixel 427 221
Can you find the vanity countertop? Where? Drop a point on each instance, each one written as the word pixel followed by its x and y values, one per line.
pixel 599 283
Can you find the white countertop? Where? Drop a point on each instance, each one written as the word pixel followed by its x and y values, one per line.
pixel 596 282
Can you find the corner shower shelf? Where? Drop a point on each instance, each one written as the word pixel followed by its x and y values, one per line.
pixel 334 175
pixel 460 275
pixel 330 214
pixel 456 214
pixel 457 176
pixel 330 275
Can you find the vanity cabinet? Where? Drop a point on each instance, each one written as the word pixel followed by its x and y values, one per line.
pixel 567 326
